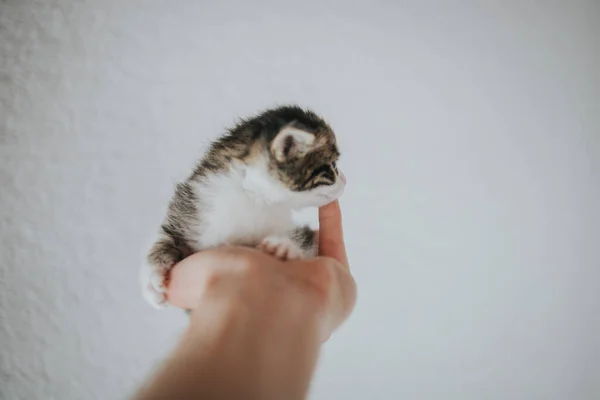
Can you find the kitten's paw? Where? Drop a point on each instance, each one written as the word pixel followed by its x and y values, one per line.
pixel 281 247
pixel 154 285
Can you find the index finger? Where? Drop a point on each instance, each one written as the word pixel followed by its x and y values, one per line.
pixel 331 236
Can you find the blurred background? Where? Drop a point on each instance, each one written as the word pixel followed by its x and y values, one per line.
pixel 470 135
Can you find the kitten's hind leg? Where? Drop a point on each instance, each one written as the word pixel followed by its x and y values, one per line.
pixel 306 239
pixel 299 243
pixel 164 254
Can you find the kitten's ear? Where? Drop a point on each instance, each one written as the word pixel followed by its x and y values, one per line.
pixel 291 143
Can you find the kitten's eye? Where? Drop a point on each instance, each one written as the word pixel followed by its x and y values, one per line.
pixel 334 165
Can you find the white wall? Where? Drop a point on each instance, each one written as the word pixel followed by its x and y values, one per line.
pixel 471 140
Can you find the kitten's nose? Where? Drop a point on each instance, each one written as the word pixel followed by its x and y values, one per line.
pixel 343 177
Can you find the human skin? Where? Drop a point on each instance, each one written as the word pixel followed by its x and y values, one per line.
pixel 257 323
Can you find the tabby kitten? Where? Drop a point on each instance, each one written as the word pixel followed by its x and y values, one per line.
pixel 244 190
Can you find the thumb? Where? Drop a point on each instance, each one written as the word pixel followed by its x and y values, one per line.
pixel 331 236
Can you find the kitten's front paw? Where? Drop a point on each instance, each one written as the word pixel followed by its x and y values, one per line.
pixel 281 247
pixel 154 285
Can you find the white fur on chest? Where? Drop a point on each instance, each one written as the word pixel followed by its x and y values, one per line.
pixel 240 207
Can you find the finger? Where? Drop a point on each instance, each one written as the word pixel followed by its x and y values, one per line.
pixel 331 237
pixel 342 296
pixel 333 286
pixel 189 278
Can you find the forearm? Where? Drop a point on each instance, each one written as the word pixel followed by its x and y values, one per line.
pixel 243 347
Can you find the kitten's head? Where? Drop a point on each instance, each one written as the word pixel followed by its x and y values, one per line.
pixel 302 156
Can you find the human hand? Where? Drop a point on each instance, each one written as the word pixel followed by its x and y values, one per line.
pixel 323 284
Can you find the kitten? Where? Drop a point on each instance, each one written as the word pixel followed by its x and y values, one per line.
pixel 244 190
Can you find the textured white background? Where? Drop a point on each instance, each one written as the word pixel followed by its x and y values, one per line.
pixel 471 144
